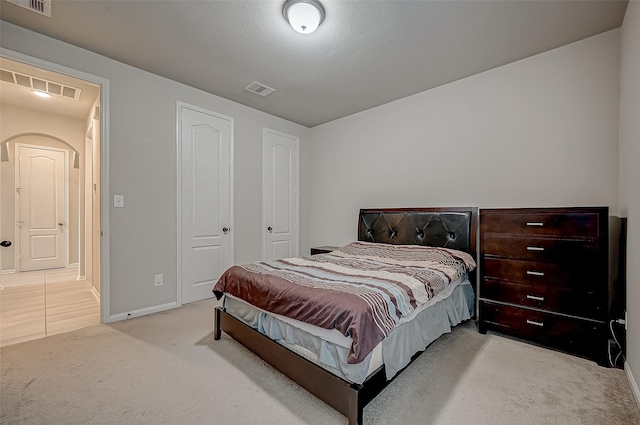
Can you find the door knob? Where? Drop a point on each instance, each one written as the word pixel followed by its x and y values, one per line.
pixel 270 229
pixel 60 224
pixel 225 230
pixel 5 244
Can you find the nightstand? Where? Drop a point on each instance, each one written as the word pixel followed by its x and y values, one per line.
pixel 323 249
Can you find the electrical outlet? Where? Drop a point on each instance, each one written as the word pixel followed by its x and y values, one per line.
pixel 159 280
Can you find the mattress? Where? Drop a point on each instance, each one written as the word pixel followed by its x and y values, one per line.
pixel 329 349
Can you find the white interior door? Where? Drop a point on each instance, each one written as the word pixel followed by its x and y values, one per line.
pixel 41 207
pixel 280 203
pixel 206 192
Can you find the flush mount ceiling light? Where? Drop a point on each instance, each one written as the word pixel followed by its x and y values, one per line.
pixel 40 93
pixel 304 16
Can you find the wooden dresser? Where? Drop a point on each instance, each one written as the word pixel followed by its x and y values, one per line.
pixel 549 275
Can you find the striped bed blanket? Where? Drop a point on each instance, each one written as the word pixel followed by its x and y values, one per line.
pixel 362 289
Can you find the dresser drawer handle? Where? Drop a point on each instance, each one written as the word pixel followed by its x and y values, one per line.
pixel 535 248
pixel 533 297
pixel 534 323
pixel 530 273
pixel 535 224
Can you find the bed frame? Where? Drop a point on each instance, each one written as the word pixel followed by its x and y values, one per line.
pixel 442 227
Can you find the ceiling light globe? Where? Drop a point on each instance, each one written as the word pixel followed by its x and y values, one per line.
pixel 41 93
pixel 304 16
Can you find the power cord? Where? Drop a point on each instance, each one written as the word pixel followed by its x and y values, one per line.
pixel 614 362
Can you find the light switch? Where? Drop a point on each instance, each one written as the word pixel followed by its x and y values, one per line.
pixel 118 201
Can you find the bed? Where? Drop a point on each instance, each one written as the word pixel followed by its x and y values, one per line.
pixel 344 365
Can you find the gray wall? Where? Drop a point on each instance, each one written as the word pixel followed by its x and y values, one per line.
pixel 542 131
pixel 142 143
pixel 630 176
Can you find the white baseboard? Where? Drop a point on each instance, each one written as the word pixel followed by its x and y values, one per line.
pixel 632 382
pixel 95 293
pixel 74 264
pixel 11 271
pixel 142 312
pixel 81 277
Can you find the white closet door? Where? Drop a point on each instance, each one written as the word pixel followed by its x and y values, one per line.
pixel 206 152
pixel 280 209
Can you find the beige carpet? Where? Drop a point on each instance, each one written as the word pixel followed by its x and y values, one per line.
pixel 166 369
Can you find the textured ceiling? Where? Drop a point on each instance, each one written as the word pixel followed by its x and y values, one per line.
pixel 366 53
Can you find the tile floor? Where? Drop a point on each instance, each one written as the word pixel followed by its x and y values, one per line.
pixel 43 303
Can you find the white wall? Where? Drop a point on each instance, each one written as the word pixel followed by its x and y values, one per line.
pixel 630 176
pixel 16 120
pixel 542 131
pixel 142 143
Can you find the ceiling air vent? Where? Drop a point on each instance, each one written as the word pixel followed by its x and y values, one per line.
pixel 7 76
pixel 23 80
pixel 70 92
pixel 42 7
pixel 39 84
pixel 259 88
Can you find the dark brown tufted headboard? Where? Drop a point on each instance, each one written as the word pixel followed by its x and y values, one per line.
pixel 453 227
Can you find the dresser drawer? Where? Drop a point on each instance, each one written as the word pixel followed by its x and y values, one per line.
pixel 555 299
pixel 578 336
pixel 575 252
pixel 574 224
pixel 542 274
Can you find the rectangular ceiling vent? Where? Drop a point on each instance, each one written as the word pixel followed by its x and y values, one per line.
pixel 259 88
pixel 43 7
pixel 34 83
